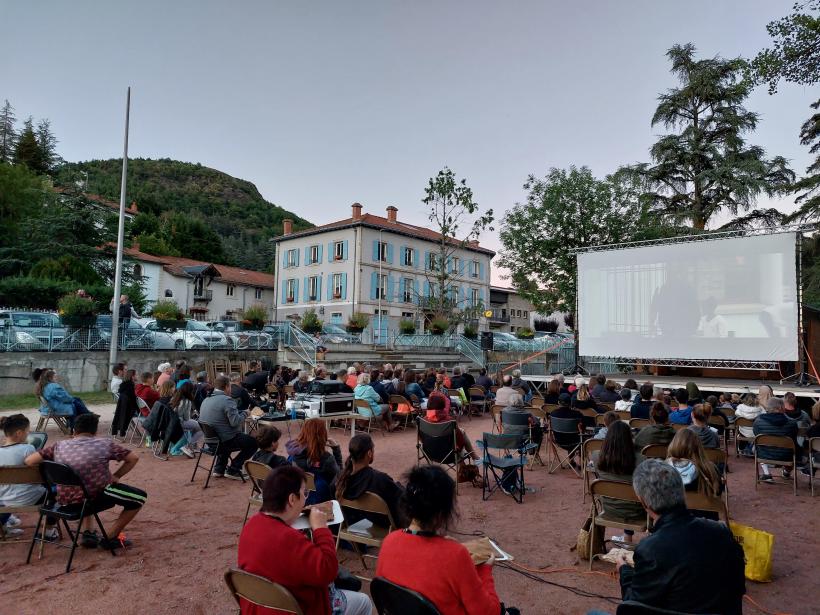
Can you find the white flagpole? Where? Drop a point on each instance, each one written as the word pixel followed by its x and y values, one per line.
pixel 115 315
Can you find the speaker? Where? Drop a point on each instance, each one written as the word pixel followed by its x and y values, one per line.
pixel 486 340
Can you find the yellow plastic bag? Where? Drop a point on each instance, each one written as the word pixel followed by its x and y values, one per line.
pixel 757 550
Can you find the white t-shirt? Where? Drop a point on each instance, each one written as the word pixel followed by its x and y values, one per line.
pixel 713 327
pixel 114 387
pixel 18 495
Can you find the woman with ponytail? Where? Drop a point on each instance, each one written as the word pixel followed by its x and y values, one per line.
pixel 358 477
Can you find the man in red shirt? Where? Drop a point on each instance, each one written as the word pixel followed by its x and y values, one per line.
pixel 147 393
pixel 88 456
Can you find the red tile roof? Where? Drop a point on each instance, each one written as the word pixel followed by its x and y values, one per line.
pixel 231 275
pixel 379 222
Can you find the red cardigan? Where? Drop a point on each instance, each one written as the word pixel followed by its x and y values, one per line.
pixel 271 549
pixel 454 584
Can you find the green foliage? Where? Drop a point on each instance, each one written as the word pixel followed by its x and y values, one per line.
pixel 8 135
pixel 525 333
pixel 74 306
pixel 470 331
pixel 439 325
pixel 564 210
pixel 167 309
pixel 706 166
pixel 546 324
pixel 795 56
pixel 22 194
pixel 66 267
pixel 809 200
pixel 310 322
pixel 407 327
pixel 358 321
pixel 811 271
pixel 152 244
pixel 44 294
pixel 27 151
pixel 231 221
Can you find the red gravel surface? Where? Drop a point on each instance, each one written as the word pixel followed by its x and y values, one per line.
pixel 186 537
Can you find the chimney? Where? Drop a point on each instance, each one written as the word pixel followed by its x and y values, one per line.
pixel 287 226
pixel 391 213
pixel 473 243
pixel 134 205
pixel 357 211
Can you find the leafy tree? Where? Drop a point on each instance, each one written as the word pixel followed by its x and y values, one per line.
pixel 809 185
pixel 8 136
pixel 156 245
pixel 144 224
pixel 795 56
pixel 707 166
pixel 66 267
pixel 565 209
pixel 192 237
pixel 22 193
pixel 458 220
pixel 47 143
pixel 27 150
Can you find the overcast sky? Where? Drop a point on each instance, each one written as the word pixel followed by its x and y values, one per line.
pixel 324 103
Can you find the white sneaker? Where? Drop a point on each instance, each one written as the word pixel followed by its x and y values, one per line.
pixel 187 452
pixel 13 521
pixel 13 531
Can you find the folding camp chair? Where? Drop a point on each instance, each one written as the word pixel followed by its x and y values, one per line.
pixel 261 592
pixel 739 437
pixel 655 451
pixel 18 475
pixel 436 443
pixel 514 449
pixel 590 446
pixel 59 474
pixel 59 419
pixel 770 442
pixel 565 435
pixel 613 490
pixel 363 408
pixel 367 505
pixel 392 599
pixel 519 423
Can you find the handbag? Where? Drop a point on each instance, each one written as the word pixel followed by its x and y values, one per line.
pixel 468 473
pixel 757 551
pixel 585 535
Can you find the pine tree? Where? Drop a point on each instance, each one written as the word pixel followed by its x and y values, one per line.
pixel 8 136
pixel 47 143
pixel 27 151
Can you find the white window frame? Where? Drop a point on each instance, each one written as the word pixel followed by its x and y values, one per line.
pixel 526 314
pixel 337 285
pixel 474 297
pixel 475 267
pixel 432 264
pixel 381 286
pixel 456 264
pixel 290 290
pixel 455 294
pixel 338 250
pixel 292 257
pixel 382 251
pixel 313 288
pixel 257 293
pixel 407 257
pixel 314 254
pixel 408 315
pixel 230 289
pixel 408 290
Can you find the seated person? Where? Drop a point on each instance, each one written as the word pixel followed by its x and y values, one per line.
pixel 146 392
pixel 582 400
pixel 408 386
pixel 309 452
pixel 457 586
pixel 624 404
pixel 352 377
pixel 378 407
pixel 632 387
pixel 240 394
pixel 183 404
pixel 438 412
pixel 378 386
pixel 305 568
pixel 617 461
pixel 126 404
pixel 220 412
pixel 700 425
pixel 358 476
pixel 610 393
pixel 814 432
pixel 682 415
pixel 642 402
pixel 267 439
pixel 301 384
pixel 686 564
pixel 256 382
pixel 518 383
pixel 533 430
pixel 749 408
pixel 599 387
pixel 14 451
pixel 89 456
pixel 659 431
pixel 775 423
pixel 203 389
pixel 484 381
pixel 565 412
pixel 609 418
pixel 458 381
pixel 341 376
pixel 502 395
pixel 713 401
pixel 553 391
pixel 687 457
pixel 57 398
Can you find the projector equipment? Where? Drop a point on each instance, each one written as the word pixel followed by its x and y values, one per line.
pixel 486 340
pixel 325 387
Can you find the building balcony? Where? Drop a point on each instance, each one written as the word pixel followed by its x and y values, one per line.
pixel 498 316
pixel 203 295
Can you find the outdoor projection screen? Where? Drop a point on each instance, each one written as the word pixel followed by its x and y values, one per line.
pixel 721 299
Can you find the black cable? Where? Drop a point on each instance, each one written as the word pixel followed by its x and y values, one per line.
pixel 579 592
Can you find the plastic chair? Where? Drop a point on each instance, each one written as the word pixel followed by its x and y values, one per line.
pixel 612 490
pixel 392 599
pixel 769 442
pixel 59 474
pixel 261 592
pixel 511 460
pixel 368 504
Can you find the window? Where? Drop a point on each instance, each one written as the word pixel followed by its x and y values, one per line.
pixel 314 254
pixel 408 290
pixel 313 288
pixel 338 251
pixel 475 269
pixel 336 318
pixel 292 256
pixel 475 299
pixel 432 262
pixel 526 314
pixel 290 291
pixel 456 263
pixel 455 294
pixel 381 286
pixel 229 290
pixel 169 293
pixel 337 285
pixel 382 251
pixel 257 293
pixel 407 315
pixel 407 257
pixel 518 313
pixel 137 270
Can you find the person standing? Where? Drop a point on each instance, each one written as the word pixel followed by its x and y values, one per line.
pixel 220 412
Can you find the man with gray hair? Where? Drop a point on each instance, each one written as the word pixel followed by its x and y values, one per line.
pixel 774 422
pixel 686 564
pixel 220 412
pixel 525 386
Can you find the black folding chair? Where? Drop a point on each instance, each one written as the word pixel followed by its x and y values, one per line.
pixel 436 443
pixel 211 446
pixel 513 449
pixel 55 474
pixel 565 435
pixel 519 423
pixel 392 599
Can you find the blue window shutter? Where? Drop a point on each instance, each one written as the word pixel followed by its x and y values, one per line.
pixel 284 291
pixel 374 281
pixel 320 254
pixel 305 291
pixel 463 298
pixel 426 288
pixel 319 286
pixel 284 259
pixel 401 255
pixel 329 284
pixel 401 289
pixel 344 249
pixel 461 268
pixel 426 260
pixel 307 255
pixel 296 290
pixel 344 283
pixel 296 252
pixel 389 253
pixel 416 258
pixel 375 250
pixel 331 254
pixel 390 288
pixel 481 296
pixel 480 270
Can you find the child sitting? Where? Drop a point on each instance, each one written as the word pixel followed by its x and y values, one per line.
pixel 625 403
pixel 267 439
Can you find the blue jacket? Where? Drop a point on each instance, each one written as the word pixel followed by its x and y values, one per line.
pixel 58 399
pixel 368 393
pixel 681 416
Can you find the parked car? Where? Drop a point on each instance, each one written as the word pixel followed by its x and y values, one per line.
pixel 31 331
pixel 195 335
pixel 240 339
pixel 336 334
pixel 133 336
pixel 507 341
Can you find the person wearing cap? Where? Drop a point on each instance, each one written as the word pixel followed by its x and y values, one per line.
pixel 165 370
